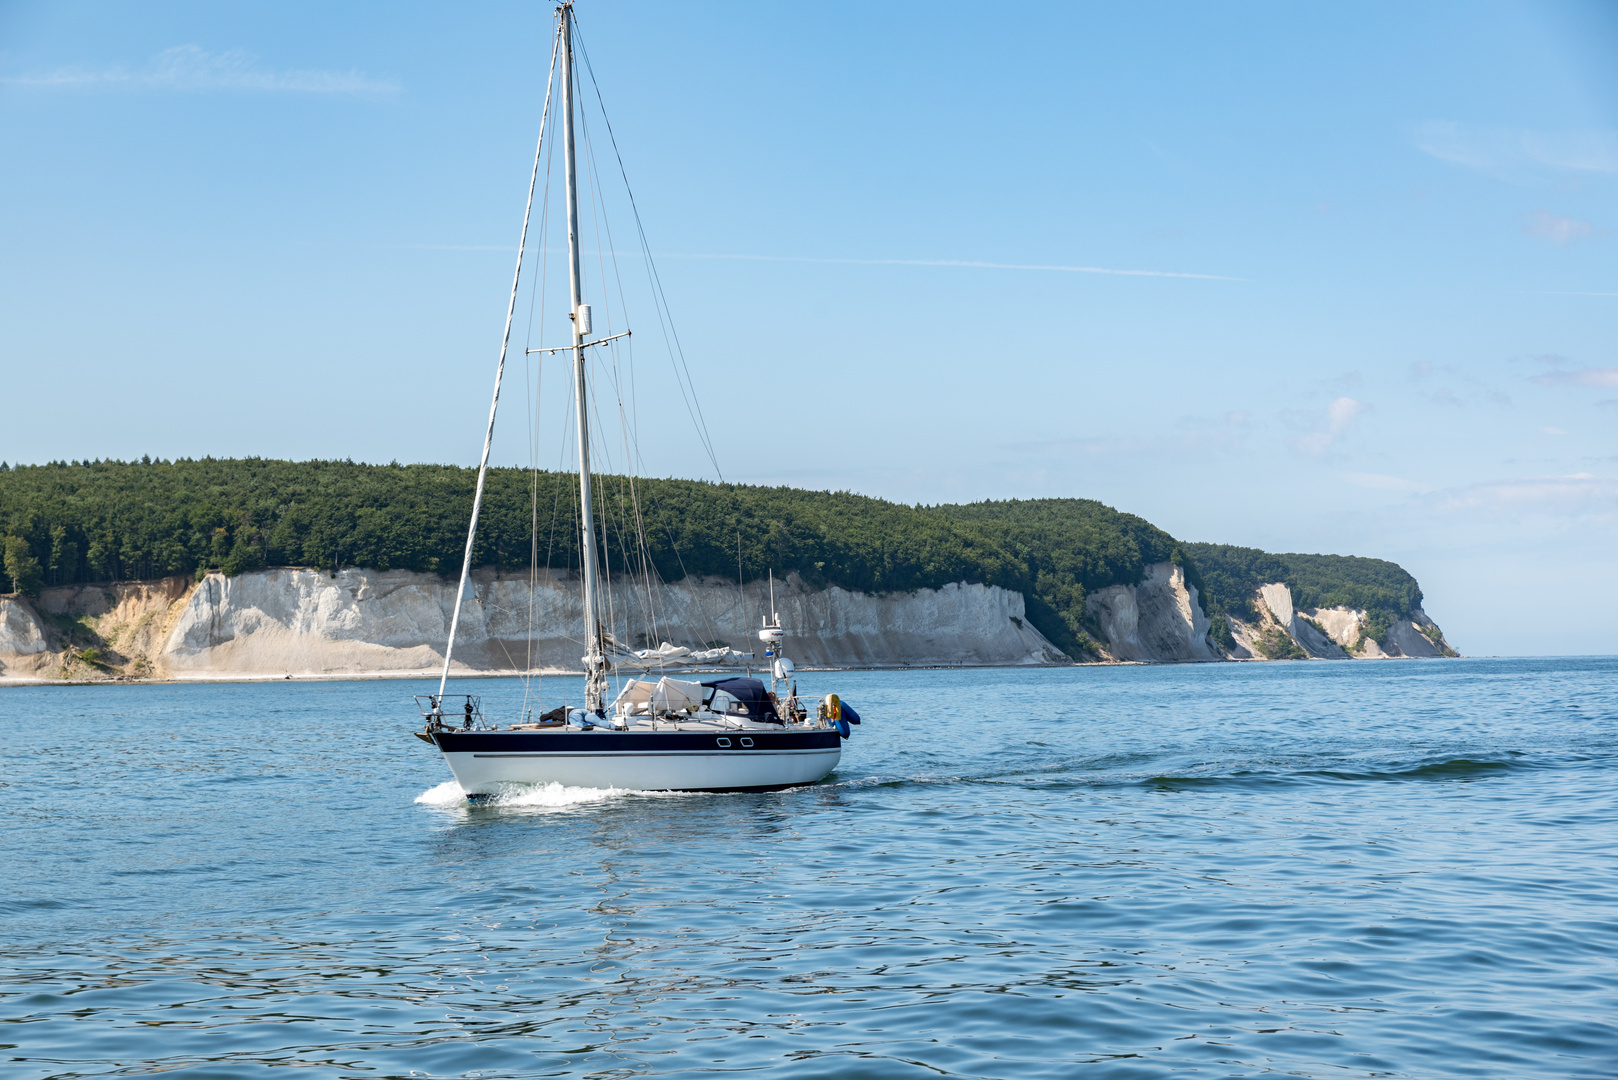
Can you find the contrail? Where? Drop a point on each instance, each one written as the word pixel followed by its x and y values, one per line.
pixel 957 262
pixel 964 263
pixel 443 247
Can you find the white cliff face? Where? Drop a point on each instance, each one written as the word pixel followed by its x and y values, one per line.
pixel 304 622
pixel 1335 633
pixel 1278 599
pixel 360 622
pixel 23 644
pixel 1342 625
pixel 308 622
pixel 1157 620
pixel 1312 637
pixel 957 625
pixel 1303 627
pixel 1346 635
pixel 1406 636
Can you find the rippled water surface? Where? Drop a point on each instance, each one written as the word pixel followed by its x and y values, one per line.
pixel 1314 869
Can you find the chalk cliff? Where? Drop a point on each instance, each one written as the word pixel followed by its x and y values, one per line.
pixel 1283 632
pixel 24 642
pixel 308 622
pixel 89 631
pixel 364 621
pixel 1157 620
pixel 301 622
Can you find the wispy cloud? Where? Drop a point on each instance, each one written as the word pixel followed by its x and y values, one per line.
pixel 1564 374
pixel 1378 482
pixel 1459 388
pixel 1519 153
pixel 191 68
pixel 1339 417
pixel 1097 446
pixel 1604 377
pixel 1558 230
pixel 1580 495
pixel 1226 433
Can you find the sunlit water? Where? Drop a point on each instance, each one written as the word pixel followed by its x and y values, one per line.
pixel 1313 869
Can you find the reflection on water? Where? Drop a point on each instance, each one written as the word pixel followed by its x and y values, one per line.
pixel 1323 869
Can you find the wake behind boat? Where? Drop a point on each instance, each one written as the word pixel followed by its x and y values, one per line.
pixel 725 733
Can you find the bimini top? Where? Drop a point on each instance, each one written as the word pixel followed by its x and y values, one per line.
pixel 749 692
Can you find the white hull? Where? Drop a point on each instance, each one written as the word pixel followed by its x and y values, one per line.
pixel 486 773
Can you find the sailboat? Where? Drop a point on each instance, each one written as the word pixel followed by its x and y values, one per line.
pixel 725 733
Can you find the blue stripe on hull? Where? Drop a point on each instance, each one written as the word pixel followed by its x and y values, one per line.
pixel 637 743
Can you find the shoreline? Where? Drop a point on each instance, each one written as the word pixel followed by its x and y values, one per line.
pixel 550 673
pixel 546 673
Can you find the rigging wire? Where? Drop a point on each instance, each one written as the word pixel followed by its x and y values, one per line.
pixel 665 315
pixel 568 459
pixel 532 683
pixel 499 374
pixel 642 554
pixel 605 544
pixel 660 301
pixel 562 458
pixel 639 563
pixel 602 557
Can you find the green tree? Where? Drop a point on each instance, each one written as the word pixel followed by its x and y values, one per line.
pixel 64 566
pixel 22 567
pixel 110 520
pixel 244 555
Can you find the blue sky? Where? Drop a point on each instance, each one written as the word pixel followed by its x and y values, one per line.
pixel 287 230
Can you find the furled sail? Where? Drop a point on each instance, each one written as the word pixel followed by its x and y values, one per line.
pixel 667 655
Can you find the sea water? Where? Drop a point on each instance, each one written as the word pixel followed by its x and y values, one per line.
pixel 1396 869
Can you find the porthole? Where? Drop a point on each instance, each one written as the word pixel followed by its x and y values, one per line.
pixel 746 741
pixel 722 741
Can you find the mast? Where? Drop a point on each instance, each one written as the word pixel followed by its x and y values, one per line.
pixel 595 678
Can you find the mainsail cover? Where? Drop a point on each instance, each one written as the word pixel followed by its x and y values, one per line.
pixel 666 695
pixel 667 655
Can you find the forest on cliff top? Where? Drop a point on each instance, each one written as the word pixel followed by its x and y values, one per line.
pixel 65 523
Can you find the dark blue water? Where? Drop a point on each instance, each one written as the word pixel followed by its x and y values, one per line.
pixel 1314 869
